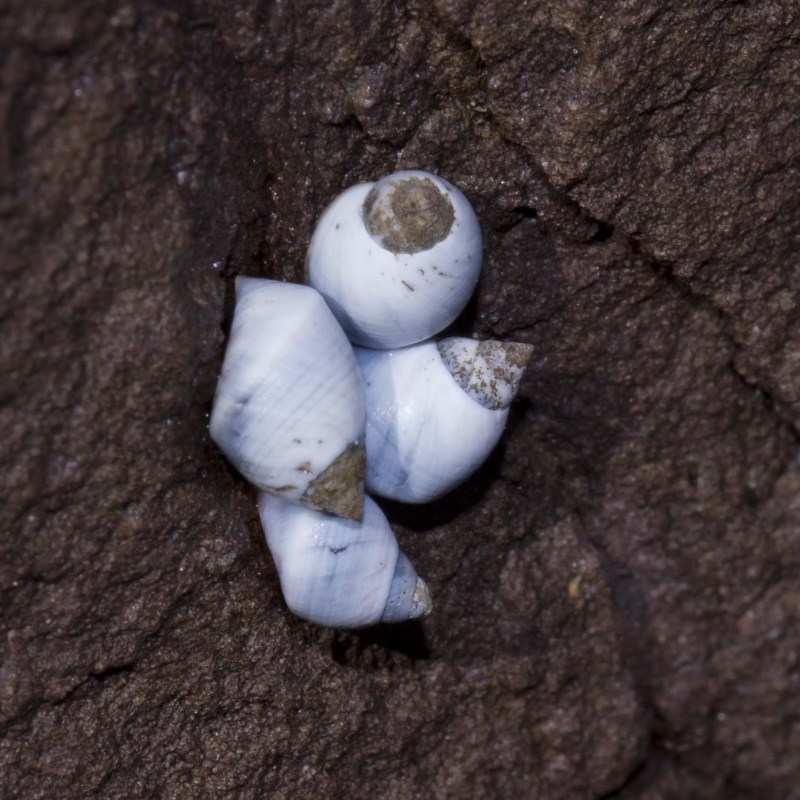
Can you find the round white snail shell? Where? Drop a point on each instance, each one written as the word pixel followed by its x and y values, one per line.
pixel 435 411
pixel 338 572
pixel 396 260
pixel 289 407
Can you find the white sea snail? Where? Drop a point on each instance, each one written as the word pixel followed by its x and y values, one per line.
pixel 390 264
pixel 338 572
pixel 289 407
pixel 435 411
pixel 396 260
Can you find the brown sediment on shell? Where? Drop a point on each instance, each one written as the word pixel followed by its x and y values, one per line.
pixel 492 375
pixel 289 487
pixel 411 215
pixel 340 488
pixel 421 603
pixel 515 354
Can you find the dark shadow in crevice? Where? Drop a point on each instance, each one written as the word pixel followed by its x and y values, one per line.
pixel 603 234
pixel 350 122
pixel 516 216
pixel 382 647
pixel 111 672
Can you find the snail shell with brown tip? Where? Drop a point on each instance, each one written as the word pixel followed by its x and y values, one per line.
pixel 435 411
pixel 289 407
pixel 396 260
pixel 338 572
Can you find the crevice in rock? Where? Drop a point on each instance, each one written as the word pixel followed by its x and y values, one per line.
pixel 520 214
pixel 666 271
pixel 111 672
pixel 382 647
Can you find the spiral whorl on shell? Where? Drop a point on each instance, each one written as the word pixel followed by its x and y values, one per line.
pixel 435 412
pixel 339 572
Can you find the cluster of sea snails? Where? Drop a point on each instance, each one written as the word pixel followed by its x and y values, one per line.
pixel 336 386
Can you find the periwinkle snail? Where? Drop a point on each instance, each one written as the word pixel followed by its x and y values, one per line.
pixel 394 263
pixel 434 412
pixel 289 407
pixel 338 572
pixel 396 260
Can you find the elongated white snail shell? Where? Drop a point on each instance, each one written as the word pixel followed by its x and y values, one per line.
pixel 338 572
pixel 289 407
pixel 435 411
pixel 396 260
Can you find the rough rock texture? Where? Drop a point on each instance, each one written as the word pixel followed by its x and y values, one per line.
pixel 617 591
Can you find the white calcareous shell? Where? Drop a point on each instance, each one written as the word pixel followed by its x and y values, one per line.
pixel 396 260
pixel 289 407
pixel 338 572
pixel 435 412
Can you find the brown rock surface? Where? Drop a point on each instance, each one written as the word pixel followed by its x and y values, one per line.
pixel 617 592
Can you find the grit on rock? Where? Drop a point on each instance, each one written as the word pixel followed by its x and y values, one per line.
pixel 616 592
